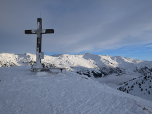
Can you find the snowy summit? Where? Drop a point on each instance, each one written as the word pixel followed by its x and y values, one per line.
pixel 91 85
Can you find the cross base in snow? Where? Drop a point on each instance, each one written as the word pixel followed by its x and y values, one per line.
pixel 48 70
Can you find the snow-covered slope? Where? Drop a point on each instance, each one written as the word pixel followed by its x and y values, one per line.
pixel 112 70
pixel 141 87
pixel 22 92
pixel 10 59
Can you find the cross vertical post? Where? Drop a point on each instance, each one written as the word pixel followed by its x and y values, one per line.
pixel 39 40
pixel 39 31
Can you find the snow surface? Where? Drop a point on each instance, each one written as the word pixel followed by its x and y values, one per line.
pixel 111 70
pixel 23 92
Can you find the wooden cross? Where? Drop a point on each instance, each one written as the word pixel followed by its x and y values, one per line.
pixel 39 31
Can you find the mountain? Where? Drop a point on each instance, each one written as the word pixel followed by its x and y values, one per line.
pixel 23 91
pixel 106 64
pixel 87 64
pixel 141 87
pixel 112 70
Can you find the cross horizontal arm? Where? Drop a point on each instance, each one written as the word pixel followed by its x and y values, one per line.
pixel 48 31
pixel 29 32
pixel 41 31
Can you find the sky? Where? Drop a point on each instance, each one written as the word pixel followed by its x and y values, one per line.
pixel 104 27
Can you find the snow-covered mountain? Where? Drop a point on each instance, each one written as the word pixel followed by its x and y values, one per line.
pixel 87 64
pixel 141 87
pixel 112 70
pixel 102 64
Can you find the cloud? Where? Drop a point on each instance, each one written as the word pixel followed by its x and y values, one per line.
pixel 79 25
pixel 149 46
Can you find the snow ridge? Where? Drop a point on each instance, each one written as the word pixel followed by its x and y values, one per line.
pixel 22 92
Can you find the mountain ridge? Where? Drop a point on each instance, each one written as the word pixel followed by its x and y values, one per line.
pixel 84 60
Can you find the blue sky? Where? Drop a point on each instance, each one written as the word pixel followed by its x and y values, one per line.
pixel 105 27
pixel 140 52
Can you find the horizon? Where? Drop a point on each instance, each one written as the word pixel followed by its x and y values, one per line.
pixel 114 28
pixel 51 54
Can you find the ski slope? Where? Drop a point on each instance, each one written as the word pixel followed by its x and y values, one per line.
pixel 22 91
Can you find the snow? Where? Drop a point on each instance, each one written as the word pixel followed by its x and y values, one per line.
pixel 82 60
pixel 141 87
pixel 100 68
pixel 22 91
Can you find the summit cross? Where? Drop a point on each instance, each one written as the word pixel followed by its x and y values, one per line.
pixel 39 31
